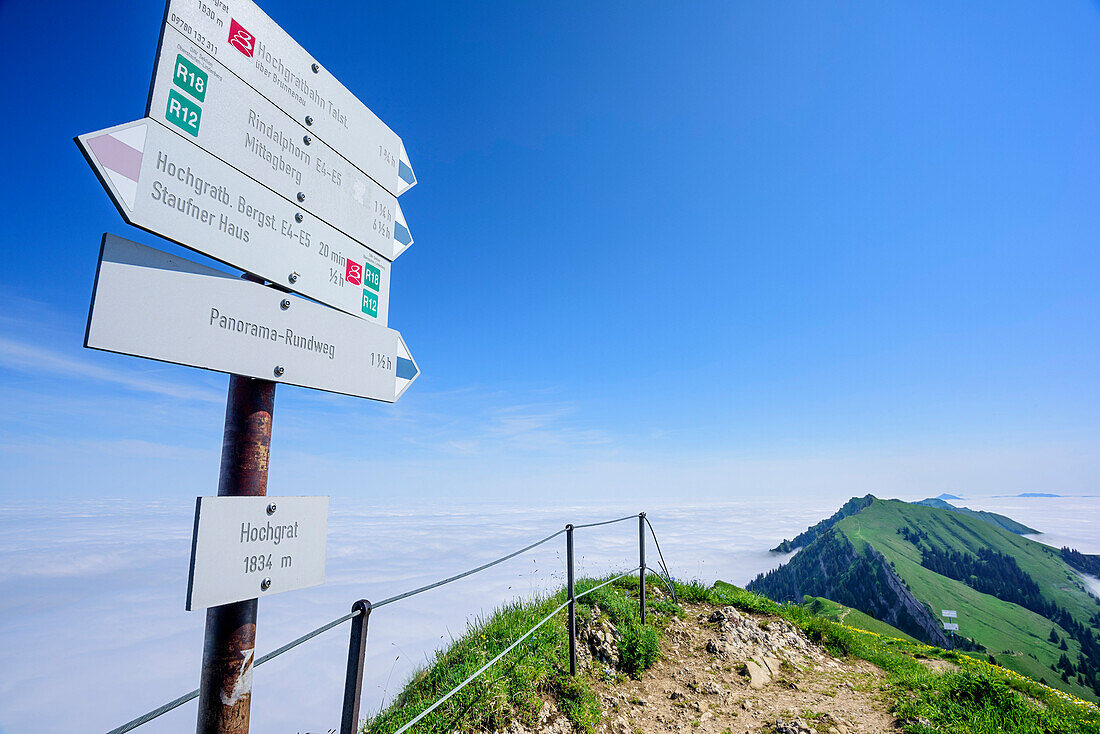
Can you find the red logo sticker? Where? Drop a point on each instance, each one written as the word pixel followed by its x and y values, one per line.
pixel 354 274
pixel 242 39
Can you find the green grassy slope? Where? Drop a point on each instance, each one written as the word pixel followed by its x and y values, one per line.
pixel 1018 638
pixel 991 517
pixel 836 612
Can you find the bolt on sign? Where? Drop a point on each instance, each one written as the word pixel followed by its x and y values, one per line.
pixel 249 547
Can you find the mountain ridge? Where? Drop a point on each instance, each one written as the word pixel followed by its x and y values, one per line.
pixel 1017 599
pixel 851 507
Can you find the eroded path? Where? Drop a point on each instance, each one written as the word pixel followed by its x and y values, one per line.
pixel 728 672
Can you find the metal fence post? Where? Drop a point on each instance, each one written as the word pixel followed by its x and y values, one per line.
pixel 572 600
pixel 357 653
pixel 641 562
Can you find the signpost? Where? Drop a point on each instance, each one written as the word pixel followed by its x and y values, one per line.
pixel 252 154
pixel 171 187
pixel 950 626
pixel 254 48
pixel 232 121
pixel 150 304
pixel 244 547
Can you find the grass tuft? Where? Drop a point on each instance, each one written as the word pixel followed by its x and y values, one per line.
pixel 639 649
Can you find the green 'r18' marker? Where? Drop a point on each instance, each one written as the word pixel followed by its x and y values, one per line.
pixel 190 78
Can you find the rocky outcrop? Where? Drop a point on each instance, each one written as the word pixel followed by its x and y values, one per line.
pixel 805 726
pixel 599 639
pixel 906 612
pixel 758 651
pixel 832 568
pixel 703 684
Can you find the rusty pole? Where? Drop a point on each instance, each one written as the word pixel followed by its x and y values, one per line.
pixel 225 690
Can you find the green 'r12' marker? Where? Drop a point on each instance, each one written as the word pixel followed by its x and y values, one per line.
pixel 183 113
pixel 370 303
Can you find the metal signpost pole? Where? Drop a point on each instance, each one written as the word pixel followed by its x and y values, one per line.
pixel 357 655
pixel 225 690
pixel 641 562
pixel 572 600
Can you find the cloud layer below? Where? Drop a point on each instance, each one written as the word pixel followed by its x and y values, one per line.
pixel 94 632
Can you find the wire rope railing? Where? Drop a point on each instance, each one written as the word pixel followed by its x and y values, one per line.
pixel 361 612
pixel 464 574
pixel 504 652
pixel 604 522
pixel 667 577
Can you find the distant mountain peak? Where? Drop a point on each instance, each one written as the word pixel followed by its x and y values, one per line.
pixel 946 496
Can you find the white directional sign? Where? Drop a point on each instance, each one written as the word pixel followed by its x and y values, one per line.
pixel 950 613
pixel 195 96
pixel 171 187
pixel 150 304
pixel 248 547
pixel 253 47
pixel 950 627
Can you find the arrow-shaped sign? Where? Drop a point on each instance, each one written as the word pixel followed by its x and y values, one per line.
pixel 150 304
pixel 196 97
pixel 169 186
pixel 254 48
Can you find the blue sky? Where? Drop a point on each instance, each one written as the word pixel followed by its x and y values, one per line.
pixel 724 248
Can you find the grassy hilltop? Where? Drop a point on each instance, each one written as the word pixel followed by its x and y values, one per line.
pixel 922 689
pixel 1019 602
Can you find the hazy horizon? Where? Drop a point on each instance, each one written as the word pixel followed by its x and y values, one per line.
pixel 120 567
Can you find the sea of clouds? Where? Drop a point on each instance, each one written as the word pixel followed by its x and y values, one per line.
pixel 93 629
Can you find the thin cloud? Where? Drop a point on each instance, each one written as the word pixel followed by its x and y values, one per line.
pixel 122 448
pixel 527 427
pixel 35 360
